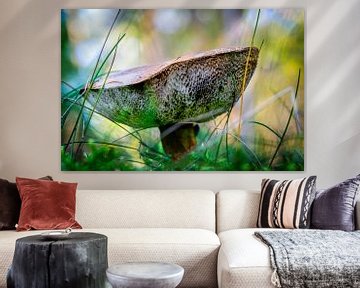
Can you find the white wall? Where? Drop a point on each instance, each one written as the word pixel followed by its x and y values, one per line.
pixel 30 95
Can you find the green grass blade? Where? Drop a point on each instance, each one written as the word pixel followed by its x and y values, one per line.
pixel 288 121
pixel 243 84
pixel 95 72
pixel 256 26
pixel 248 149
pixel 266 126
pixel 100 92
pixel 104 143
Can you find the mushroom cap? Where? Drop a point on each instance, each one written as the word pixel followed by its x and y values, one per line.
pixel 140 74
pixel 190 88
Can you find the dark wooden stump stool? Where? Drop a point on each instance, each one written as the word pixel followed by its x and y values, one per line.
pixel 79 261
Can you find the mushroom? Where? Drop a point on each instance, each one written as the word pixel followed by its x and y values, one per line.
pixel 176 94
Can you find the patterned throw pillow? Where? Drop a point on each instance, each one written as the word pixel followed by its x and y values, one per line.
pixel 286 204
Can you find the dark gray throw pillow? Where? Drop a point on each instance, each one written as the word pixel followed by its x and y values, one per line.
pixel 10 204
pixel 334 208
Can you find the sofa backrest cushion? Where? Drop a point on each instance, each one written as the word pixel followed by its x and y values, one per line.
pixel 146 209
pixel 236 209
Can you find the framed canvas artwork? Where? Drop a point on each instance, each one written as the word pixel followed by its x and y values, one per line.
pixel 182 90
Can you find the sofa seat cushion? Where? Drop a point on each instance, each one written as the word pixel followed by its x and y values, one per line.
pixel 194 249
pixel 244 261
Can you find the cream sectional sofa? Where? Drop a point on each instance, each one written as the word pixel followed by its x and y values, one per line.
pixel 243 260
pixel 177 226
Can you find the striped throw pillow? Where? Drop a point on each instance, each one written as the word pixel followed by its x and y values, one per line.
pixel 286 204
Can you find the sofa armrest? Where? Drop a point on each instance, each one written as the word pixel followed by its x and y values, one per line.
pixel 357 215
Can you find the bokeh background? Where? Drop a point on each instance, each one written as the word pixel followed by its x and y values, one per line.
pixel 153 36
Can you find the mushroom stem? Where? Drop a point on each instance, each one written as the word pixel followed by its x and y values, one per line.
pixel 178 140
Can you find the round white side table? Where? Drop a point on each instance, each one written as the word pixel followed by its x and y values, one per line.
pixel 145 275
